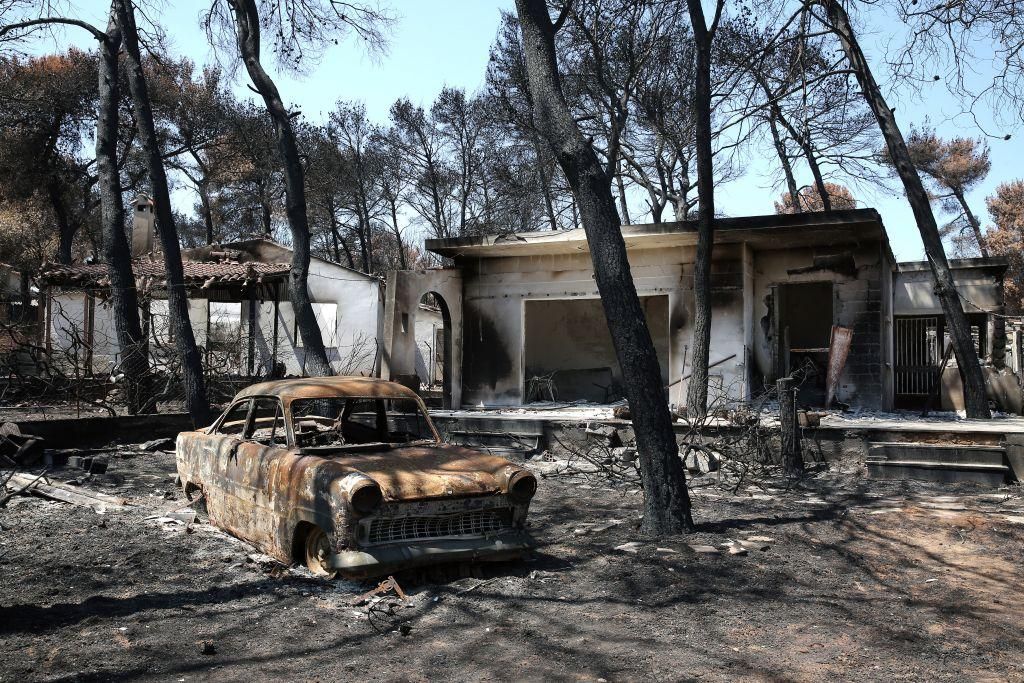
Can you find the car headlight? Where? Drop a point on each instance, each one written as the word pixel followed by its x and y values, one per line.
pixel 364 494
pixel 521 486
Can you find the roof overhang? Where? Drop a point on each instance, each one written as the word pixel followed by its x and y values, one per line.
pixel 783 231
pixel 995 265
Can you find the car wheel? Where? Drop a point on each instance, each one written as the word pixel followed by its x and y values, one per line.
pixel 318 550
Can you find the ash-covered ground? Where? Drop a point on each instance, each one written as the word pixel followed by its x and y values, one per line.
pixel 858 580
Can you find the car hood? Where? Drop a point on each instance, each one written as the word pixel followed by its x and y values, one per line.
pixel 427 471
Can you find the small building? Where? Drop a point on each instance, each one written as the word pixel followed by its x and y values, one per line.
pixel 524 311
pixel 239 309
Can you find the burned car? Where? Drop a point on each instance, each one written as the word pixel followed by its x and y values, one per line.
pixel 348 475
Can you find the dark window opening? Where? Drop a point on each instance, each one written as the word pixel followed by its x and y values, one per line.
pixel 267 426
pixel 234 421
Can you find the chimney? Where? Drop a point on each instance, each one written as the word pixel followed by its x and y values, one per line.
pixel 143 227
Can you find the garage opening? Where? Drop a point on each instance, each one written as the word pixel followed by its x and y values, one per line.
pixel 569 354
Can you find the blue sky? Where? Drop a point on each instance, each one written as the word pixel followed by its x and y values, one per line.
pixel 446 42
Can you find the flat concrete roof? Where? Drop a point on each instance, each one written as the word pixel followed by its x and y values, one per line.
pixel 997 264
pixel 774 231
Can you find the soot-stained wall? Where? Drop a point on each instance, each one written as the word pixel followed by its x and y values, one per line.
pixel 857 275
pixel 495 295
pixel 499 349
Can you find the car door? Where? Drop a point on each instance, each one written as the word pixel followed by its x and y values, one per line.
pixel 219 449
pixel 253 466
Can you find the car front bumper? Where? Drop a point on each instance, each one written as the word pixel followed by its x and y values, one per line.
pixel 393 557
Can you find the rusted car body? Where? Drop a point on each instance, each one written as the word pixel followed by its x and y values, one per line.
pixel 321 471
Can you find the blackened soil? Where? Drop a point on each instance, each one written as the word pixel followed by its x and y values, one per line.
pixel 861 580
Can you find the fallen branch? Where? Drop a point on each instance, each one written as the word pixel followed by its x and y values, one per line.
pixel 97 501
pixel 12 494
pixel 475 586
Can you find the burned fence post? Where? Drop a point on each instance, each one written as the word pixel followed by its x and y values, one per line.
pixel 792 458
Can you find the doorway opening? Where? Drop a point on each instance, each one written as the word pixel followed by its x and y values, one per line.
pixel 433 324
pixel 804 317
pixel 919 344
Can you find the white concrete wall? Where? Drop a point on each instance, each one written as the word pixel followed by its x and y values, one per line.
pixel 727 381
pixel 105 348
pixel 405 291
pixel 353 341
pixel 67 334
pixel 914 292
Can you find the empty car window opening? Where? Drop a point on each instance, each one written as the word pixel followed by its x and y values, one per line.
pixel 359 421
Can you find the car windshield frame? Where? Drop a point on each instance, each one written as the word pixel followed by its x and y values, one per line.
pixel 421 409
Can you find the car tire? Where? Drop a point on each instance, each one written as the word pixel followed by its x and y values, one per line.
pixel 317 548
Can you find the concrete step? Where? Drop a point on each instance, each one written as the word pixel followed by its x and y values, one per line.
pixel 946 453
pixel 945 463
pixel 943 472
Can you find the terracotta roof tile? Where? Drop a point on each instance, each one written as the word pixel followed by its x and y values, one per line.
pixel 197 273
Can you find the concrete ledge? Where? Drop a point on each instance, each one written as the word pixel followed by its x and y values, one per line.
pixel 98 431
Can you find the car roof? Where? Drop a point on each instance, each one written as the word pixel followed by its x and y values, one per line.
pixel 328 387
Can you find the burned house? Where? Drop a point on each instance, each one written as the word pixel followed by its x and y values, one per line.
pixel 527 311
pixel 239 308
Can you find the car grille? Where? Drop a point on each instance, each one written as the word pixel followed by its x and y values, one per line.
pixel 423 527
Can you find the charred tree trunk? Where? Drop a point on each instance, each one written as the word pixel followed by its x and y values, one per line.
pixel 364 253
pixel 792 458
pixel 975 399
pixel 339 241
pixel 787 167
pixel 697 389
pixel 812 163
pixel 177 299
pixel 783 157
pixel 623 207
pixel 116 252
pixel 666 499
pixel 973 221
pixel 398 233
pixel 657 208
pixel 362 208
pixel 335 240
pixel 819 180
pixel 204 198
pixel 247 32
pixel 65 227
pixel 803 139
pixel 266 215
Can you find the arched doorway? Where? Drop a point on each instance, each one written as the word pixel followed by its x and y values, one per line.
pixel 433 331
pixel 401 348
